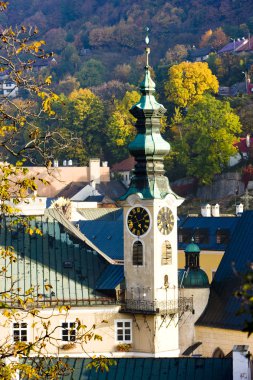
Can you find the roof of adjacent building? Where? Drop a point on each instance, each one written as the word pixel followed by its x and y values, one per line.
pixel 111 277
pixel 199 53
pixel 59 257
pixel 106 235
pixel 111 190
pixel 72 189
pixel 155 368
pixel 242 144
pixel 232 46
pixel 103 213
pixel 125 165
pixel 211 225
pixel 247 46
pixel 221 311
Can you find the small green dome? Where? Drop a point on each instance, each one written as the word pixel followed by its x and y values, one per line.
pixel 195 278
pixel 192 248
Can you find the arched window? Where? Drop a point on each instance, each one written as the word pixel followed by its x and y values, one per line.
pixel 166 253
pixel 166 281
pixel 137 253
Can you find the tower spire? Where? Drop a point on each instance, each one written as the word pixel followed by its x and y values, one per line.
pixel 148 147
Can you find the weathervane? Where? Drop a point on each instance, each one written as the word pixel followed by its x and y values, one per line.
pixel 147 49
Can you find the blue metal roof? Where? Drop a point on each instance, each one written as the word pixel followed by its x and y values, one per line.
pixel 212 224
pixel 111 277
pixel 222 307
pixel 155 369
pixel 106 235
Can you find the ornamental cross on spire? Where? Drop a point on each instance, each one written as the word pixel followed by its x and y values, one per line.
pixel 147 49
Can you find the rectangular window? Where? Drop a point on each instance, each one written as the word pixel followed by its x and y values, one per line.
pixel 123 329
pixel 201 236
pixel 68 331
pixel 222 236
pixel 19 331
pixel 185 235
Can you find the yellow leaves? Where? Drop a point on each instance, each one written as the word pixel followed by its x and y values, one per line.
pixel 35 47
pixel 7 314
pixel 188 82
pixel 48 287
pixel 48 80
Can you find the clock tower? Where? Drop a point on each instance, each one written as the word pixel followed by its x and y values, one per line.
pixel 150 234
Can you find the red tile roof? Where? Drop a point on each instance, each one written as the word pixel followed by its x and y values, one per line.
pixel 246 47
pixel 241 145
pixel 124 166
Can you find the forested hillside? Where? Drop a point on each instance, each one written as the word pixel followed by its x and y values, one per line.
pixel 118 25
pixel 98 60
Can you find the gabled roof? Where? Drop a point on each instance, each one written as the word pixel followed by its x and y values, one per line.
pixel 71 189
pixel 102 213
pixel 125 165
pixel 199 53
pixel 246 47
pixel 156 369
pixel 76 232
pixel 212 225
pixel 232 46
pixel 107 236
pixel 223 305
pixel 58 258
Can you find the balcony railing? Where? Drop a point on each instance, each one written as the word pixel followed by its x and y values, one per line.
pixel 157 307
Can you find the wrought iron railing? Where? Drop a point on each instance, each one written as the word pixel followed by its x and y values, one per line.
pixel 158 307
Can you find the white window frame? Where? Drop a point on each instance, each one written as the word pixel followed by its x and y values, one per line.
pixel 20 328
pixel 68 328
pixel 123 328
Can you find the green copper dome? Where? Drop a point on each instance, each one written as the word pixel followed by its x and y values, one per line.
pixel 195 278
pixel 192 248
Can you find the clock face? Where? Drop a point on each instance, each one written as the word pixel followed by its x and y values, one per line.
pixel 165 220
pixel 138 221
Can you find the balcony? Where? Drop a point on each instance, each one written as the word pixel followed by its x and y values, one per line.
pixel 169 307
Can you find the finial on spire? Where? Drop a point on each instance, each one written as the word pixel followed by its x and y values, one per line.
pixel 147 49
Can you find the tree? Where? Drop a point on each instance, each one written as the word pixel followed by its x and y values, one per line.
pixel 82 113
pixel 120 128
pixel 216 38
pixel 176 54
pixel 20 51
pixel 91 73
pixel 209 131
pixel 188 82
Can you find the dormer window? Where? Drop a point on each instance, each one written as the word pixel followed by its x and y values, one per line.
pixel 201 236
pixel 185 235
pixel 222 236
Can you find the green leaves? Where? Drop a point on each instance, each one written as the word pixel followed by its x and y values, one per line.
pixel 207 135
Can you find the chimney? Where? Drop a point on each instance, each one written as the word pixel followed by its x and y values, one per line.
pixel 55 163
pixel 241 363
pixel 216 210
pixel 94 170
pixel 239 209
pixel 248 140
pixel 64 163
pixel 104 164
pixel 70 162
pixel 206 210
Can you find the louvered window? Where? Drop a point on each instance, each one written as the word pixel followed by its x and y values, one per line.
pixel 137 253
